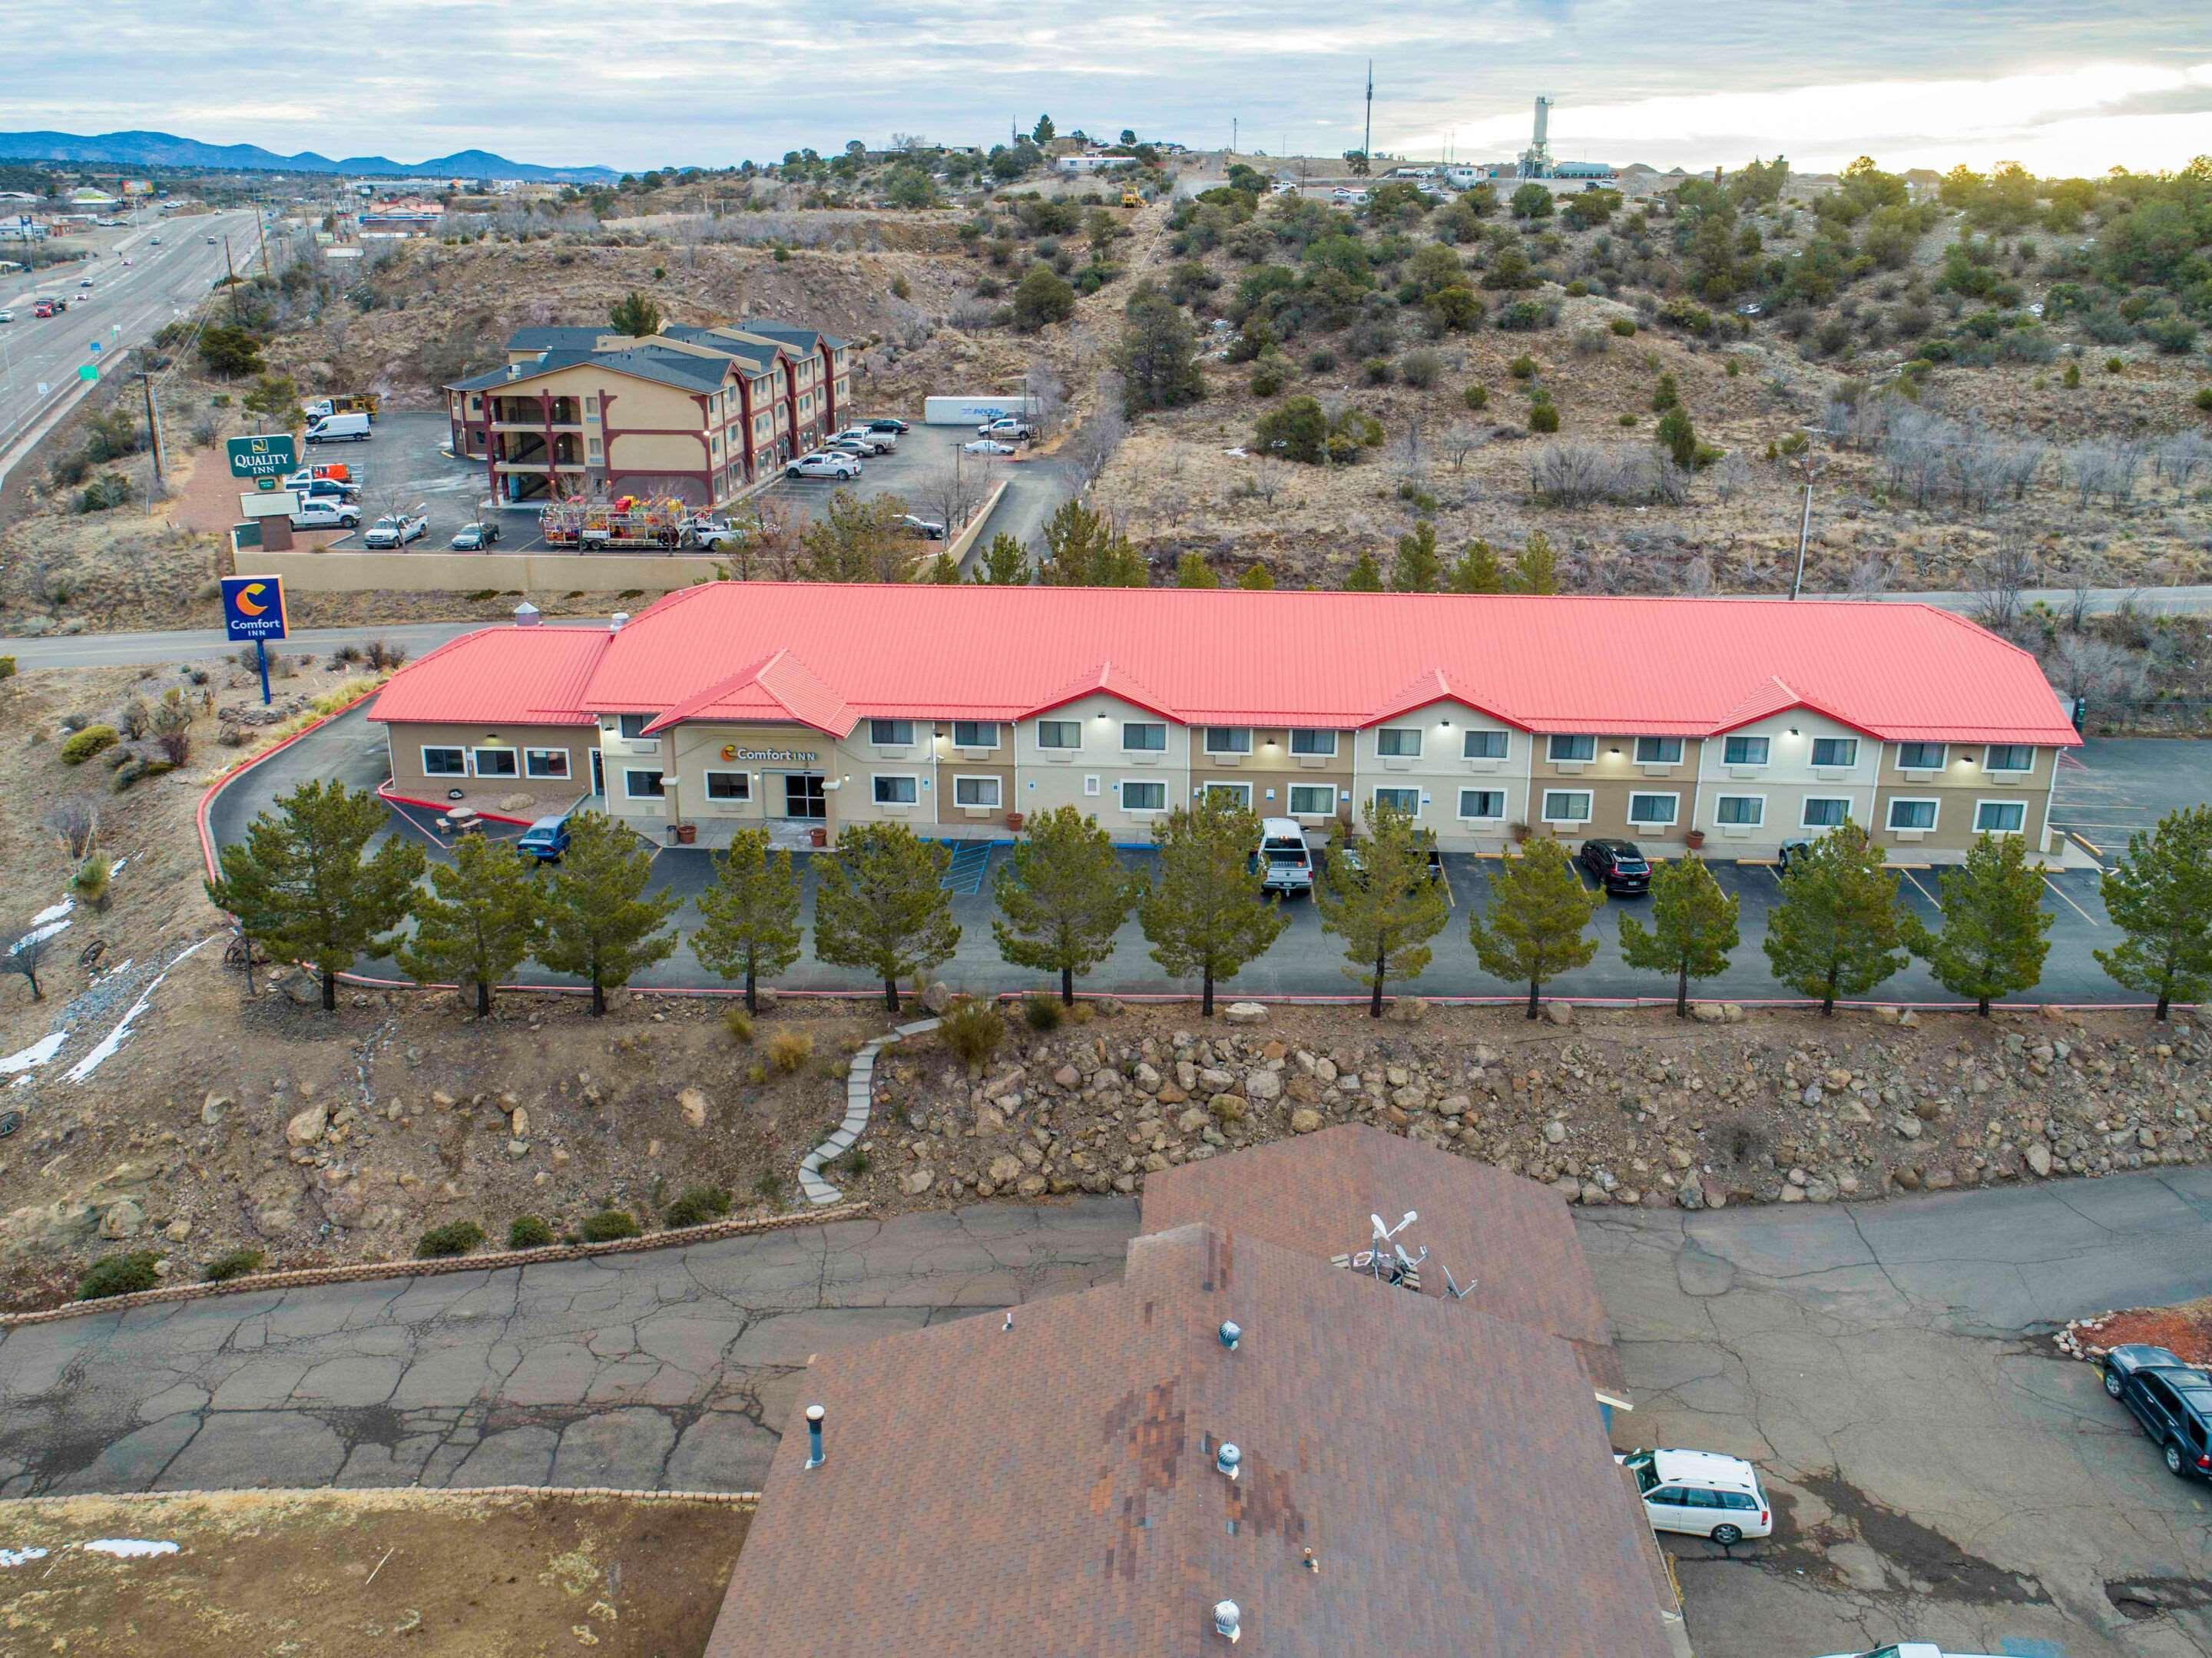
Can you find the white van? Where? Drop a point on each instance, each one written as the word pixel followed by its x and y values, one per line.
pixel 1701 1492
pixel 330 429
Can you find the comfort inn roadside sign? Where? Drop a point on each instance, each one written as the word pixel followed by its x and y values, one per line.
pixel 268 457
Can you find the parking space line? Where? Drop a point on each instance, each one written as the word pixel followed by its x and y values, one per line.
pixel 1917 887
pixel 2069 903
pixel 1451 898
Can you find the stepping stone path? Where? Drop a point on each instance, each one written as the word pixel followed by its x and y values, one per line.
pixel 860 1100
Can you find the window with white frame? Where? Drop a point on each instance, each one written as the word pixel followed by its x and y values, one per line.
pixel 1920 756
pixel 891 733
pixel 974 733
pixel 445 763
pixel 545 762
pixel 1060 733
pixel 2008 757
pixel 1999 817
pixel 895 790
pixel 1143 737
pixel 1906 814
pixel 1580 746
pixel 642 784
pixel 1658 750
pixel 1740 810
pixel 1566 805
pixel 1313 799
pixel 1228 739
pixel 1482 804
pixel 1235 795
pixel 497 763
pixel 1408 801
pixel 1823 812
pixel 1485 745
pixel 632 725
pixel 729 786
pixel 1398 743
pixel 1308 740
pixel 1144 797
pixel 1654 811
pixel 1744 751
pixel 976 791
pixel 1835 752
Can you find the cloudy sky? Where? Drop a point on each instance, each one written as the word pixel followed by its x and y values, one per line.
pixel 2063 85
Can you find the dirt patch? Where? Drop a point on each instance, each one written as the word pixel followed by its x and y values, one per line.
pixel 326 1575
pixel 1932 1561
pixel 2184 1330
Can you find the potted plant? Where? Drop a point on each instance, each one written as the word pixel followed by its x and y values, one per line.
pixel 1520 834
pixel 1694 839
pixel 1014 822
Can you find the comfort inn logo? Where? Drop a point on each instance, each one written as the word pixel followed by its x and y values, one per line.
pixel 734 752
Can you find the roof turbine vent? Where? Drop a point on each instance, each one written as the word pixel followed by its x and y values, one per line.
pixel 1226 1621
pixel 1229 1458
pixel 1231 1333
pixel 615 622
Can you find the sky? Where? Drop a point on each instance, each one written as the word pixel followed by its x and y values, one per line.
pixel 2063 85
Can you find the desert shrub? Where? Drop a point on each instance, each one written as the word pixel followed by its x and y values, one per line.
pixel 455 1237
pixel 1378 371
pixel 1526 316
pixel 2204 401
pixel 2115 366
pixel 1522 368
pixel 135 719
pixel 696 1207
pixel 1593 342
pixel 2174 336
pixel 7 667
pixel 1420 369
pixel 1042 1012
pixel 1269 378
pixel 1320 361
pixel 610 1225
pixel 90 882
pixel 972 1031
pixel 109 491
pixel 788 1050
pixel 768 1187
pixel 528 1232
pixel 124 1274
pixel 93 739
pixel 237 1263
pixel 1476 396
pixel 853 1164
pixel 1628 420
pixel 1623 327
pixel 1544 417
pixel 738 1022
pixel 1686 314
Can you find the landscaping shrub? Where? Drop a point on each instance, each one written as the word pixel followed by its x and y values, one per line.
pixel 972 1031
pixel 93 739
pixel 768 1187
pixel 118 1275
pixel 455 1237
pixel 528 1232
pixel 853 1164
pixel 7 667
pixel 788 1050
pixel 1544 417
pixel 738 1022
pixel 696 1207
pixel 1042 1012
pixel 609 1225
pixel 237 1263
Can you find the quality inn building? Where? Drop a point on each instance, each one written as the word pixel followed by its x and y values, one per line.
pixel 962 711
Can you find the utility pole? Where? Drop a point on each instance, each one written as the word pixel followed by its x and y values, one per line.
pixel 232 272
pixel 1808 464
pixel 264 235
pixel 154 431
pixel 1367 133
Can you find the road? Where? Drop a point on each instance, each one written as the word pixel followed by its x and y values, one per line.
pixel 127 307
pixel 1936 1469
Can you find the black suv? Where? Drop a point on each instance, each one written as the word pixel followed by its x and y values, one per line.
pixel 1618 865
pixel 2173 1402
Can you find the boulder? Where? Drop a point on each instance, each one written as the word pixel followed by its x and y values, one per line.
pixel 937 998
pixel 1066 1076
pixel 518 1120
pixel 123 1218
pixel 1709 1013
pixel 1409 1009
pixel 305 1127
pixel 1559 1012
pixel 1307 1120
pixel 1192 1120
pixel 918 1182
pixel 1733 1013
pixel 1264 1086
pixel 1555 1132
pixel 1004 1169
pixel 2038 1158
pixel 1245 1013
pixel 691 1103
pixel 213 1106
pixel 1031 1186
pixel 1106 1007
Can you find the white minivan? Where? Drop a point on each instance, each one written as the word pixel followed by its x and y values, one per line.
pixel 1702 1493
pixel 332 428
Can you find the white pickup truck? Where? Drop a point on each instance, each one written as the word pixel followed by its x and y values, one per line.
pixel 397 530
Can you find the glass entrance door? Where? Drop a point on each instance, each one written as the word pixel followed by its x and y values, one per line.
pixel 803 797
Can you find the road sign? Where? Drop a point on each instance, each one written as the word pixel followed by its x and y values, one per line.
pixel 253 607
pixel 270 456
pixel 273 503
pixel 89 372
pixel 265 483
pixel 97 348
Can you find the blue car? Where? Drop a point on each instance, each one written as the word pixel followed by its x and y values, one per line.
pixel 545 840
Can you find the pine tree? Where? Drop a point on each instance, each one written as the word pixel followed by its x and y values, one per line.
pixel 2161 896
pixel 1537 927
pixel 1477 571
pixel 944 570
pixel 1062 896
pixel 1993 940
pixel 1208 914
pixel 881 905
pixel 1087 551
pixel 1835 932
pixel 478 922
pixel 1157 354
pixel 1693 928
pixel 1364 577
pixel 1256 579
pixel 635 315
pixel 1417 568
pixel 1677 436
pixel 1004 563
pixel 1535 567
pixel 601 922
pixel 300 886
pixel 749 918
pixel 1193 571
pixel 1666 395
pixel 1384 905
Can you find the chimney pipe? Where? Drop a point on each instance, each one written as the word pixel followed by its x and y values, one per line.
pixel 1231 1334
pixel 617 621
pixel 814 1435
pixel 1229 1458
pixel 1225 1617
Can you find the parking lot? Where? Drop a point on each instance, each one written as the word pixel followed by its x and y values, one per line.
pixel 2111 787
pixel 405 464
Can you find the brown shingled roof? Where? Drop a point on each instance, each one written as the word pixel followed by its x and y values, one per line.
pixel 1051 1489
pixel 1513 1239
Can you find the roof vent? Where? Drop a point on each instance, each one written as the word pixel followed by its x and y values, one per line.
pixel 813 1436
pixel 1226 1621
pixel 514 371
pixel 526 615
pixel 1231 1333
pixel 1228 1459
pixel 615 622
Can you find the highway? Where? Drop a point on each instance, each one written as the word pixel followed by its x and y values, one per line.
pixel 128 304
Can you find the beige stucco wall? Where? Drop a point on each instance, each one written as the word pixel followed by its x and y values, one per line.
pixel 405 742
pixel 306 572
pixel 1958 786
pixel 1049 778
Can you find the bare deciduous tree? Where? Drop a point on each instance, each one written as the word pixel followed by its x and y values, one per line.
pixel 1050 398
pixel 1458 441
pixel 948 492
pixel 1998 581
pixel 1868 577
pixel 1269 477
pixel 27 954
pixel 2082 665
pixel 74 822
pixel 1100 434
pixel 777 535
pixel 1733 476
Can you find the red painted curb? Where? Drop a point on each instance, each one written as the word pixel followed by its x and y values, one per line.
pixel 384 791
pixel 225 779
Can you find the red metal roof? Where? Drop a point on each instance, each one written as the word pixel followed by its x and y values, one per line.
pixel 499 674
pixel 1661 666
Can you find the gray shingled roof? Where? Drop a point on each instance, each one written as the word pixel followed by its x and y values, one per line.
pixel 805 338
pixel 554 338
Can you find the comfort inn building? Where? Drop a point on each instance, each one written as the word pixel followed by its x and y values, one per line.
pixel 963 710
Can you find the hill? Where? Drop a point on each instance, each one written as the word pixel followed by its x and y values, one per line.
pixel 167 149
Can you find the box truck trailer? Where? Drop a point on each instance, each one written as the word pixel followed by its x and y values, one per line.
pixel 974 411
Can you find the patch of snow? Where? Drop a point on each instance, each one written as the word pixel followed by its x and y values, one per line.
pixel 21 1557
pixel 38 1053
pixel 106 1046
pixel 129 1548
pixel 53 912
pixel 39 932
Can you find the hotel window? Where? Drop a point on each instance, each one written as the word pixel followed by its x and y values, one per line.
pixel 545 762
pixel 974 733
pixel 1659 752
pixel 1060 733
pixel 1143 737
pixel 1485 745
pixel 497 763
pixel 642 785
pixel 1920 756
pixel 1144 797
pixel 729 786
pixel 1228 739
pixel 1234 794
pixel 445 763
pixel 633 724
pixel 1309 741
pixel 891 733
pixel 895 791
pixel 1999 817
pixel 1912 814
pixel 1398 743
pixel 1835 750
pixel 974 791
pixel 1744 751
pixel 2008 757
pixel 1741 810
pixel 1482 803
pixel 1824 814
pixel 1567 806
pixel 1313 799
pixel 1405 800
pixel 1653 811
pixel 1572 748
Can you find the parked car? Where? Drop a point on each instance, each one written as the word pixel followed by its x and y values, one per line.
pixel 1795 852
pixel 1702 1493
pixel 1910 1650
pixel 1352 868
pixel 889 424
pixel 475 538
pixel 987 446
pixel 824 463
pixel 2171 1400
pixel 545 840
pixel 1288 861
pixel 330 429
pixel 719 535
pixel 853 447
pixel 335 470
pixel 876 443
pixel 1618 865
pixel 7 316
pixel 1013 428
pixel 326 514
pixel 928 529
pixel 397 530
pixel 327 489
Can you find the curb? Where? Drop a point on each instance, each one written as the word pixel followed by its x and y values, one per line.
pixel 224 780
pixel 732 1499
pixel 499 1260
pixel 860 1102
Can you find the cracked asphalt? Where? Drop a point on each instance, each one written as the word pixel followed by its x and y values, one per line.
pixel 1938 1473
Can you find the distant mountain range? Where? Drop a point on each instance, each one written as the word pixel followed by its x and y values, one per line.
pixel 167 149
